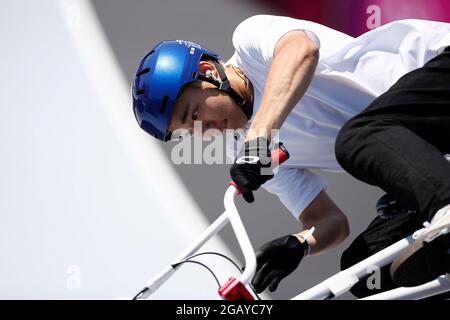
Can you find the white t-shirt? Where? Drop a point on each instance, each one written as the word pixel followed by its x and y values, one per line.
pixel 350 74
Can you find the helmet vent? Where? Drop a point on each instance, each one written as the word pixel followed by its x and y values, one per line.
pixel 163 104
pixel 146 70
pixel 140 91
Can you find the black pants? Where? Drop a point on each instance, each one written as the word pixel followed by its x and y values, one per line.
pixel 398 142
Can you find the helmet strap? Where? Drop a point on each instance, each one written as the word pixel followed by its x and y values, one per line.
pixel 225 86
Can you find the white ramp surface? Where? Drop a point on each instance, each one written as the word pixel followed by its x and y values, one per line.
pixel 90 207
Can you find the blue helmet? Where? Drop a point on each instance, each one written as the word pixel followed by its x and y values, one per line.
pixel 160 78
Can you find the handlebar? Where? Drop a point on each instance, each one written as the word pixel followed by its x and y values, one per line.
pixel 235 288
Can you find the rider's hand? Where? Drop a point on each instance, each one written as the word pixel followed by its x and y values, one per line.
pixel 252 167
pixel 276 260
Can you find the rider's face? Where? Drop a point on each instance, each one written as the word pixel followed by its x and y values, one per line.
pixel 213 111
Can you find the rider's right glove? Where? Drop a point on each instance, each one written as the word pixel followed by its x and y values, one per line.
pixel 276 260
pixel 248 168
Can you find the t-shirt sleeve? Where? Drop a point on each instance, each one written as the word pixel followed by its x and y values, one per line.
pixel 296 188
pixel 258 35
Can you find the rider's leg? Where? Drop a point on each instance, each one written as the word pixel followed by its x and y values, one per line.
pixel 397 143
pixel 386 154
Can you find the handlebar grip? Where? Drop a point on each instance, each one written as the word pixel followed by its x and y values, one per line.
pixel 278 156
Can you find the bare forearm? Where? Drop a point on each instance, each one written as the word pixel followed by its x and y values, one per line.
pixel 289 77
pixel 328 233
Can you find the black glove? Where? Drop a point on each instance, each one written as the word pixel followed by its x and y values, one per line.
pixel 276 260
pixel 252 167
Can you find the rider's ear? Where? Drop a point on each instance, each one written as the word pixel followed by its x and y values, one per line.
pixel 206 67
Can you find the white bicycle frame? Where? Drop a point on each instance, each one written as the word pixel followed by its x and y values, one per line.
pixel 230 215
pixel 344 280
pixel 330 288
